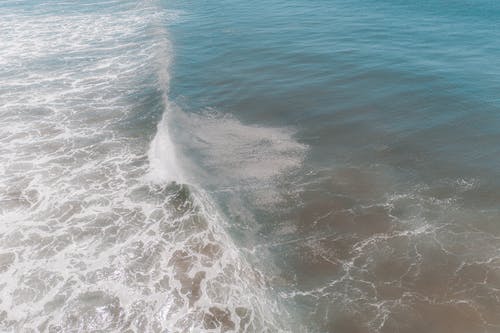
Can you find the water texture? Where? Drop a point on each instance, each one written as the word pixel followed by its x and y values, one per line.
pixel 234 166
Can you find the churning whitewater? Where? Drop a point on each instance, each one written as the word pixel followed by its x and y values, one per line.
pixel 297 166
pixel 98 230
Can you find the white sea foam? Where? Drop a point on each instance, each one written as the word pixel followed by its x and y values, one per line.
pixel 163 160
pixel 88 241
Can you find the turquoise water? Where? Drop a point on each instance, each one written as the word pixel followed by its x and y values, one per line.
pixel 277 166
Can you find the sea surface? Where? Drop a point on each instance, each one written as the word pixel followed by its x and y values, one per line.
pixel 250 166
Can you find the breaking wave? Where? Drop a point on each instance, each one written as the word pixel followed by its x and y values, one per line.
pixel 100 229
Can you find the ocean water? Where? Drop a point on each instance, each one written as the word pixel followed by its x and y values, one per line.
pixel 236 166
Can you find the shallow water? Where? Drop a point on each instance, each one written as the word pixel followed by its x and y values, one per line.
pixel 295 166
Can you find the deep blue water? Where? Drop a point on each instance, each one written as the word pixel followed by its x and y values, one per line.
pixel 419 74
pixel 250 166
